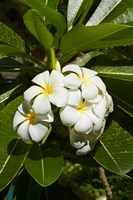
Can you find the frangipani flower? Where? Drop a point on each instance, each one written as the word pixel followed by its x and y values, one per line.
pixel 79 114
pixel 49 89
pixel 29 125
pixel 90 84
pixel 84 143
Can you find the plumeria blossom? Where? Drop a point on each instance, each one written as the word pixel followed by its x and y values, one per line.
pixel 84 143
pixel 91 85
pixel 80 114
pixel 29 125
pixel 49 89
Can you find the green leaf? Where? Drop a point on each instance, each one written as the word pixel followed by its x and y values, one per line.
pixel 26 188
pixel 55 17
pixel 87 57
pixel 115 72
pixel 12 151
pixel 72 10
pixel 38 29
pixel 9 51
pixel 9 64
pixel 9 37
pixel 122 93
pixel 103 9
pixel 122 13
pixel 115 151
pixel 44 163
pixel 94 37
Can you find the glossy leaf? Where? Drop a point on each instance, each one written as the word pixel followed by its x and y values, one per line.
pixel 72 10
pixel 55 17
pixel 103 9
pixel 115 151
pixel 37 27
pixel 44 164
pixel 9 37
pixel 12 151
pixel 122 93
pixel 122 13
pixel 82 38
pixel 9 50
pixel 26 188
pixel 115 72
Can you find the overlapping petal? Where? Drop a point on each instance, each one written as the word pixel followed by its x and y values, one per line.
pixel 41 79
pixel 89 91
pixel 32 92
pixel 59 96
pixel 38 131
pixel 23 131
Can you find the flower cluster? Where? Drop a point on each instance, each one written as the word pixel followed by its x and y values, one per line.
pixel 83 101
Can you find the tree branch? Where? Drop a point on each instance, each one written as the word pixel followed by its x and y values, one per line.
pixel 105 183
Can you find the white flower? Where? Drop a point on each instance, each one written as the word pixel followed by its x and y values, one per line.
pixel 91 85
pixel 79 114
pixel 29 125
pixel 84 143
pixel 49 89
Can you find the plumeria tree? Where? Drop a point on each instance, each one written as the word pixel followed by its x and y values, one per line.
pixel 72 93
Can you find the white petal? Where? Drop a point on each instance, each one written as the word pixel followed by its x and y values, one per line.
pixel 59 96
pixel 72 81
pixel 58 67
pixel 73 68
pixel 91 115
pixel 77 140
pixel 38 131
pixel 98 127
pixel 24 108
pixel 99 83
pixel 84 124
pixel 97 99
pixel 42 79
pixel 89 91
pixel 110 102
pixel 56 79
pixel 18 118
pixel 41 104
pixel 49 117
pixel 84 150
pixel 100 108
pixel 23 131
pixel 89 73
pixel 32 92
pixel 69 115
pixel 75 97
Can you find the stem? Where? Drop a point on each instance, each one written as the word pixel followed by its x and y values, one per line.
pixel 52 59
pixel 105 183
pixel 45 138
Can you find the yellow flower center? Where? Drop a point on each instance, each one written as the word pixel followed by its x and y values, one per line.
pixel 48 90
pixel 31 117
pixel 85 79
pixel 82 107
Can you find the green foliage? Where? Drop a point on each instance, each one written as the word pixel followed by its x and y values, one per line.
pixel 90 33
pixel 44 164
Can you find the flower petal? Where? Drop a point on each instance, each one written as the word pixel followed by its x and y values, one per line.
pixel 69 115
pixel 72 81
pixel 23 131
pixel 42 79
pixel 24 108
pixel 18 118
pixel 89 91
pixel 59 97
pixel 49 117
pixel 77 140
pixel 99 83
pixel 41 104
pixel 88 72
pixel 84 150
pixel 73 68
pixel 56 79
pixel 100 108
pixel 75 97
pixel 84 124
pixel 99 127
pixel 38 131
pixel 32 92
